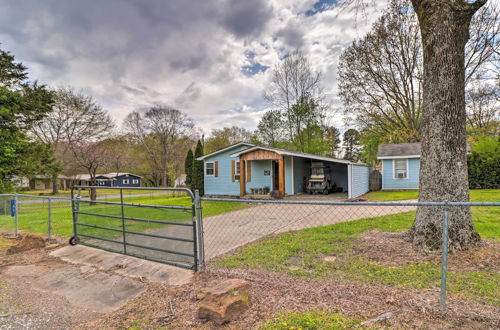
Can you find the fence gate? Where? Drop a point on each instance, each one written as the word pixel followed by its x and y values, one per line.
pixel 157 224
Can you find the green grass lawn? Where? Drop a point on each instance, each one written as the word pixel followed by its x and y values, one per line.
pixel 302 253
pixel 484 195
pixel 310 320
pixel 34 217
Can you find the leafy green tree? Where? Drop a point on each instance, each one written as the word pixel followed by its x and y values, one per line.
pixel 188 167
pixel 351 144
pixel 483 164
pixel 22 104
pixel 221 138
pixel 331 140
pixel 198 178
pixel 271 128
pixel 11 73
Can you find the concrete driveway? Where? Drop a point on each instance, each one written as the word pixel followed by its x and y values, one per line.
pixel 228 231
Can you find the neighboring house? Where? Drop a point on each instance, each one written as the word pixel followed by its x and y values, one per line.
pixel 400 165
pixel 109 180
pixel 118 180
pixel 243 168
pixel 42 182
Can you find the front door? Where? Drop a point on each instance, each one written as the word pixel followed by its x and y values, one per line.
pixel 276 177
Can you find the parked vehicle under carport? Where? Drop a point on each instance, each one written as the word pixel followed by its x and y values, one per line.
pixel 320 179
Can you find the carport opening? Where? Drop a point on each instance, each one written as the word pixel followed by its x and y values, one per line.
pixel 306 169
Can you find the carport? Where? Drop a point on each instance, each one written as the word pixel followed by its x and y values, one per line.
pixel 286 172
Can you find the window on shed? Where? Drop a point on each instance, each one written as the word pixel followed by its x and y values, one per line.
pixel 400 168
pixel 209 169
pixel 125 181
pixel 135 181
pixel 237 171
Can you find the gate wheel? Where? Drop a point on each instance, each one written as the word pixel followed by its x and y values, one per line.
pixel 73 240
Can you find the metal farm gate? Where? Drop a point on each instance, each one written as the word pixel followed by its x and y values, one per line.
pixel 140 224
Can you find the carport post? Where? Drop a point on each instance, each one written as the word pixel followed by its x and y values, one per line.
pixel 49 204
pixel 199 226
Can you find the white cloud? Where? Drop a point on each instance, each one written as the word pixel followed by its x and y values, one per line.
pixel 190 54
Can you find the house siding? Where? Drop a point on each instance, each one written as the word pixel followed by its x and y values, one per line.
pixel 288 175
pixel 299 171
pixel 119 181
pixel 223 185
pixel 339 175
pixel 359 180
pixel 411 182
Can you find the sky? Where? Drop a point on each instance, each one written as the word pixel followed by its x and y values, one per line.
pixel 211 59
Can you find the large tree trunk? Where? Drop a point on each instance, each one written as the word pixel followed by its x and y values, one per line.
pixel 444 26
pixel 55 184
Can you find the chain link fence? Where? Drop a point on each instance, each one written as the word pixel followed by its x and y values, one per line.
pixel 364 241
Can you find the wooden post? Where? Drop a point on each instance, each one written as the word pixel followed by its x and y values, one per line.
pixel 281 177
pixel 242 178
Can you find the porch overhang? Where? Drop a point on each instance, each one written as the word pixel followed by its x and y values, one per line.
pixel 246 156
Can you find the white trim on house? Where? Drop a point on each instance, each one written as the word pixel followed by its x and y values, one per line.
pixel 237 170
pixel 399 157
pixel 394 170
pixel 205 169
pixel 293 176
pixel 349 181
pixel 225 149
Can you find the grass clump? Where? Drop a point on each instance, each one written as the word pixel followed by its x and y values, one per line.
pixel 312 320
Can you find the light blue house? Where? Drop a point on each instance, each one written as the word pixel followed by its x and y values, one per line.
pixel 400 165
pixel 243 168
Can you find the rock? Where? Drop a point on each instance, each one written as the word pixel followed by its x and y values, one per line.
pixel 202 294
pixel 28 242
pixel 225 301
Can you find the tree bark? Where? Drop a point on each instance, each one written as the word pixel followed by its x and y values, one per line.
pixel 55 184
pixel 444 26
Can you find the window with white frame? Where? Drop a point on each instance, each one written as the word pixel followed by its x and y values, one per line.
pixel 400 168
pixel 237 171
pixel 209 169
pixel 135 181
pixel 125 181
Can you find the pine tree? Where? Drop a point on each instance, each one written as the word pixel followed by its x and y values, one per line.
pixel 197 175
pixel 188 167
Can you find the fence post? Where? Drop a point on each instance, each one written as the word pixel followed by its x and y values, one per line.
pixel 75 202
pixel 49 204
pixel 444 260
pixel 199 224
pixel 16 210
pixel 123 222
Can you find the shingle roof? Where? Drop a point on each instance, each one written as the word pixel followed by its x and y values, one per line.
pixel 295 154
pixel 399 149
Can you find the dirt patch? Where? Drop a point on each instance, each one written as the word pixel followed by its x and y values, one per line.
pixel 28 242
pixel 391 249
pixel 164 306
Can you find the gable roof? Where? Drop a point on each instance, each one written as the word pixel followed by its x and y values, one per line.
pixel 225 149
pixel 285 152
pixel 407 150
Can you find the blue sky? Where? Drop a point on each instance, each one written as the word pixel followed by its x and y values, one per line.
pixel 211 59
